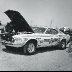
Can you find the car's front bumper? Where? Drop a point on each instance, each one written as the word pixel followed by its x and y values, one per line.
pixel 8 43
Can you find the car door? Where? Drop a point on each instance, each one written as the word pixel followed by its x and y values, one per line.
pixel 47 39
pixel 54 37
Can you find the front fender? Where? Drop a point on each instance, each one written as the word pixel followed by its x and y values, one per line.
pixel 26 40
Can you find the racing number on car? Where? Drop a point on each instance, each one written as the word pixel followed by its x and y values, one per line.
pixel 48 40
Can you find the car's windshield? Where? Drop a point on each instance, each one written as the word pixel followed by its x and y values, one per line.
pixel 38 29
pixel 60 31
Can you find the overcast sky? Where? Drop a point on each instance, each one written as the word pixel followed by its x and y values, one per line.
pixel 40 12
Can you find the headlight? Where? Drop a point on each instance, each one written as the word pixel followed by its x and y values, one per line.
pixel 18 39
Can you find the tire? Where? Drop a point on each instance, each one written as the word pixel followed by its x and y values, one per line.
pixel 62 45
pixel 29 48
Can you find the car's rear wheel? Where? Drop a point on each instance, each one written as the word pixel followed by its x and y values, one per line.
pixel 29 48
pixel 62 45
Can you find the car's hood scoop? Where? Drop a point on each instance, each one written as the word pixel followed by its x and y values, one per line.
pixel 18 22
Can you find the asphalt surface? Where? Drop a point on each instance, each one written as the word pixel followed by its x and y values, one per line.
pixel 45 59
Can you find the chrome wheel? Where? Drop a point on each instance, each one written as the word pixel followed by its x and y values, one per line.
pixel 63 45
pixel 31 48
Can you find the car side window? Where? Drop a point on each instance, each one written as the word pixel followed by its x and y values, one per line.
pixel 48 31
pixel 53 31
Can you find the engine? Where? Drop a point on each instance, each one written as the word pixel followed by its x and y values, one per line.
pixel 7 33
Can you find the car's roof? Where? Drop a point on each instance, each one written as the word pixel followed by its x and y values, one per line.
pixel 39 27
pixel 46 28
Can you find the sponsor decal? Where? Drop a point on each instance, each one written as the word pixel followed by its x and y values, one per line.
pixel 41 41
pixel 46 40
pixel 51 40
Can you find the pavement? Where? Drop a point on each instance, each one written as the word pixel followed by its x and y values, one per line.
pixel 45 59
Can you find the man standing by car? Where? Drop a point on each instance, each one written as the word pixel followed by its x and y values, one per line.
pixel 70 49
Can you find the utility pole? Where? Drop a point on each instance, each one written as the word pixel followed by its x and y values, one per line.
pixel 31 21
pixel 51 23
pixel 0 23
pixel 56 27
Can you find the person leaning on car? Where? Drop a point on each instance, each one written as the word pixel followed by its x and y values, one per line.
pixel 70 49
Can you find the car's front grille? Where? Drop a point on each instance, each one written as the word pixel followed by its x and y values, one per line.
pixel 6 37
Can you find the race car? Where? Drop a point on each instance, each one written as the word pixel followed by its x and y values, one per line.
pixel 29 39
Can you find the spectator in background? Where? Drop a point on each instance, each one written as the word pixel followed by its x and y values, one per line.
pixel 70 49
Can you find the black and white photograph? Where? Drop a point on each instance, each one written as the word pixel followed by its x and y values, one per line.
pixel 35 35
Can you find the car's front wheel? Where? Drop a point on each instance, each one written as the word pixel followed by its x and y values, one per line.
pixel 29 48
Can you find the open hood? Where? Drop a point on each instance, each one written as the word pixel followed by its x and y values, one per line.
pixel 18 22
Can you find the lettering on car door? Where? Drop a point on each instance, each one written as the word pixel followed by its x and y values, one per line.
pixel 54 36
pixel 48 37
